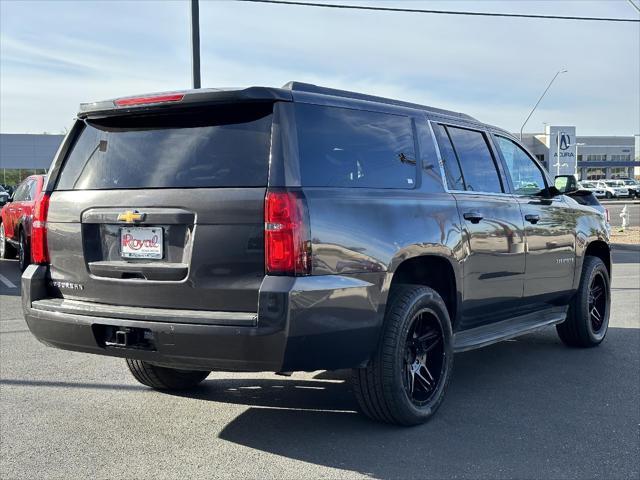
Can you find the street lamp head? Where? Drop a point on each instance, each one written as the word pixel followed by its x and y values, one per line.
pixel 564 71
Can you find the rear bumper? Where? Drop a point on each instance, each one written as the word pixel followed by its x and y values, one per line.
pixel 304 323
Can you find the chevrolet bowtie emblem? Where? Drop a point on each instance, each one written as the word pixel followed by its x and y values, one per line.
pixel 131 217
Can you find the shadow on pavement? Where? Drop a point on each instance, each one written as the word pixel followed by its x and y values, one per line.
pixel 523 406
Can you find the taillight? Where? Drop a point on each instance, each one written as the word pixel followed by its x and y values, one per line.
pixel 39 249
pixel 127 102
pixel 287 240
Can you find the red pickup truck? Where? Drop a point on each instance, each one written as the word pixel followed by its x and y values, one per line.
pixel 15 221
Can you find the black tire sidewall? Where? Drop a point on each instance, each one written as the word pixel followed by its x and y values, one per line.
pixel 596 267
pixel 429 300
pixel 592 267
pixel 24 254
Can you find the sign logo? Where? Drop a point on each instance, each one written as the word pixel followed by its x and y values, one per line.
pixel 565 140
pixel 131 217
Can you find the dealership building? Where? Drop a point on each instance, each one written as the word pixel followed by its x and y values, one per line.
pixel 589 157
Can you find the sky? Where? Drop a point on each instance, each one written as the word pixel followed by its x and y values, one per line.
pixel 57 54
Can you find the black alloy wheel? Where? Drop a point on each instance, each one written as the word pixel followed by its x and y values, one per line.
pixel 424 358
pixel 597 302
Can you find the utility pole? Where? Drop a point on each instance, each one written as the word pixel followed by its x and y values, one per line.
pixel 195 42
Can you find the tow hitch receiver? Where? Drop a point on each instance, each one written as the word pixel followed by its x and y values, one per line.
pixel 124 337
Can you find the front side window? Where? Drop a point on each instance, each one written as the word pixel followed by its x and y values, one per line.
pixel 341 147
pixel 526 176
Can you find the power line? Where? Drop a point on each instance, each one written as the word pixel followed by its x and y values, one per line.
pixel 634 5
pixel 441 12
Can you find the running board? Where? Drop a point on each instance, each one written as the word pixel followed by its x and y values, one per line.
pixel 504 330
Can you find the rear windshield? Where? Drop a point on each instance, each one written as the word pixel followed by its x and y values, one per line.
pixel 217 147
pixel 340 147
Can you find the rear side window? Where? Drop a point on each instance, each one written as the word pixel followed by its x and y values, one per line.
pixel 340 147
pixel 217 147
pixel 478 167
pixel 450 162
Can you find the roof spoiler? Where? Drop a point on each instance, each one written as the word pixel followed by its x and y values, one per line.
pixel 183 98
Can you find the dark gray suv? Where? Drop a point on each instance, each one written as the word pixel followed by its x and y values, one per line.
pixel 304 228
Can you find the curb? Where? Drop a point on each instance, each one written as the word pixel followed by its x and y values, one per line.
pixel 625 247
pixel 619 202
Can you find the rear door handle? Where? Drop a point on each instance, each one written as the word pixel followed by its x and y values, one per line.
pixel 473 217
pixel 532 218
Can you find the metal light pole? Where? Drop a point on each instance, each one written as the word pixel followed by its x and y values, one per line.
pixel 558 150
pixel 540 99
pixel 576 169
pixel 195 42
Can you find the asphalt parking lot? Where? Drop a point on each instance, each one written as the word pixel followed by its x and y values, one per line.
pixel 527 408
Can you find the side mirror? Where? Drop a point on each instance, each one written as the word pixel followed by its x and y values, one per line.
pixel 566 184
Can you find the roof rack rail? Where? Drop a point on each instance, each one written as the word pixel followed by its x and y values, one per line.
pixel 311 88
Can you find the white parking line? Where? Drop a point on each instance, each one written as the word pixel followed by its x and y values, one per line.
pixel 6 281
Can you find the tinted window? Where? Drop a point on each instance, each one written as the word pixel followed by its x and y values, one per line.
pixel 431 178
pixel 351 148
pixel 526 176
pixel 450 163
pixel 217 147
pixel 478 168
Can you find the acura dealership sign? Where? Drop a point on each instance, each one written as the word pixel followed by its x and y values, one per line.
pixel 561 142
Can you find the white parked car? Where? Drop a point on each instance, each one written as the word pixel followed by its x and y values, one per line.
pixel 619 187
pixel 633 186
pixel 599 191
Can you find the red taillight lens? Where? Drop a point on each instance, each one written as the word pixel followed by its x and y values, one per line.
pixel 286 233
pixel 39 249
pixel 127 102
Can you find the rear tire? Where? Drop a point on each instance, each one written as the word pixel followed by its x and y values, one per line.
pixel 24 252
pixel 588 317
pixel 407 377
pixel 6 249
pixel 164 378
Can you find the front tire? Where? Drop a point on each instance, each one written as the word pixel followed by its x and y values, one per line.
pixel 608 195
pixel 407 377
pixel 164 378
pixel 588 317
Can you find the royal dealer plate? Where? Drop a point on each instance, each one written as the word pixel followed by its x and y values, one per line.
pixel 141 242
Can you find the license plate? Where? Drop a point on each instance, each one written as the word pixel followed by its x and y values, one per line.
pixel 141 242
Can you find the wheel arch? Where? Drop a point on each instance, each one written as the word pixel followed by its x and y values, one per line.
pixel 433 271
pixel 600 249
